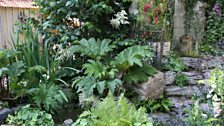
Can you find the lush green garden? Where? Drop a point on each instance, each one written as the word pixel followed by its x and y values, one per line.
pixel 84 60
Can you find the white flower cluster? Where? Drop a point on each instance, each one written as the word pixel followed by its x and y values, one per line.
pixel 121 18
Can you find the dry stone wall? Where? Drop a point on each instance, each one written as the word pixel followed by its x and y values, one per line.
pixel 181 96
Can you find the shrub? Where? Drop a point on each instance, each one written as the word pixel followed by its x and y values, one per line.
pixel 28 116
pixel 173 63
pixel 181 79
pixel 196 117
pixel 110 112
pixel 162 104
pixel 48 97
pixel 104 71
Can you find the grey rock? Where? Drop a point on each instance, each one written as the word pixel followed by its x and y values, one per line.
pixel 179 102
pixel 153 88
pixel 4 113
pixel 206 74
pixel 206 108
pixel 195 63
pixel 170 77
pixel 215 62
pixel 193 77
pixel 164 119
pixel 68 122
pixel 183 91
pixel 205 88
pixel 203 63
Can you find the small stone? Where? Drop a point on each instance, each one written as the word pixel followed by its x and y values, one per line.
pixel 170 77
pixel 205 107
pixel 164 119
pixel 193 77
pixel 206 88
pixel 206 74
pixel 4 113
pixel 179 102
pixel 68 122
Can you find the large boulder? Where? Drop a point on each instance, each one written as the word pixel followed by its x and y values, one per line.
pixel 153 88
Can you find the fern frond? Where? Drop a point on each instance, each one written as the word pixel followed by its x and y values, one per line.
pixel 111 112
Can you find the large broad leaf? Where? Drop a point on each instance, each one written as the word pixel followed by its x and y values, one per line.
pixel 92 48
pixel 95 68
pixel 112 85
pixel 16 69
pixel 132 56
pixel 99 70
pixel 139 74
pixel 85 84
pixel 88 84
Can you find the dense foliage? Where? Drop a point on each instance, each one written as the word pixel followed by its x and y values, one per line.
pixel 111 112
pixel 161 104
pixel 173 62
pixel 29 116
pixel 62 19
pixel 214 31
pixel 107 71
pixel 181 79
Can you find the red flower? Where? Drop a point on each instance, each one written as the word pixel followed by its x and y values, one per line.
pixel 159 12
pixel 156 20
pixel 146 8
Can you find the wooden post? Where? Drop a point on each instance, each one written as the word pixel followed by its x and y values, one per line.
pixel 161 50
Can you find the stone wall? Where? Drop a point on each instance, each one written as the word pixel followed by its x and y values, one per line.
pixel 199 69
pixel 197 23
pixel 179 20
